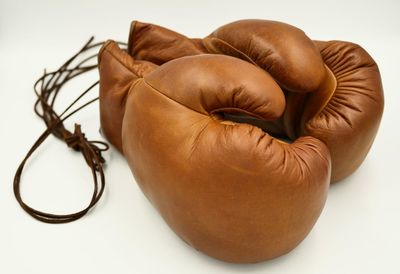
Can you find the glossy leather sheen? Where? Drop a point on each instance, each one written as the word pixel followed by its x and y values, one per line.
pixel 228 189
pixel 333 89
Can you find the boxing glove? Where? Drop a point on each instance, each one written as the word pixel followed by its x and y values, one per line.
pixel 228 189
pixel 333 89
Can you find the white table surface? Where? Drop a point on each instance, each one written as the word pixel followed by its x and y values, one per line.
pixel 358 231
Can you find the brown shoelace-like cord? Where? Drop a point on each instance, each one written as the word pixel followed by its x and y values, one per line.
pixel 47 88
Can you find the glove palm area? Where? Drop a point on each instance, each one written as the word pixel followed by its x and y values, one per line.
pixel 228 189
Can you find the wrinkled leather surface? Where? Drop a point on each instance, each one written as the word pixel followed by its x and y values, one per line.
pixel 228 189
pixel 333 89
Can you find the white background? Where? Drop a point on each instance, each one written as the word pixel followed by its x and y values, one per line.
pixel 358 231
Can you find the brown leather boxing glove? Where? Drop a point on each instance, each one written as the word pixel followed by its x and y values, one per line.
pixel 228 189
pixel 333 89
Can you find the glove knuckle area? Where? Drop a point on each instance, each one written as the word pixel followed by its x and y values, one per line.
pixel 358 79
pixel 281 49
pixel 349 120
pixel 212 83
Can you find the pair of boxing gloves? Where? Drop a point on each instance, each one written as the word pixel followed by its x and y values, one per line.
pixel 196 120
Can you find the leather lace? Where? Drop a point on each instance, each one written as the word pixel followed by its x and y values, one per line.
pixel 47 88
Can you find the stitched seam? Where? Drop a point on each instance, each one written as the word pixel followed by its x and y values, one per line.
pixel 119 61
pixel 102 49
pixel 131 35
pixel 133 84
pixel 158 91
pixel 331 96
pixel 247 57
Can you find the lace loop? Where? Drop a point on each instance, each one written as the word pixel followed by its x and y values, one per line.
pixel 47 88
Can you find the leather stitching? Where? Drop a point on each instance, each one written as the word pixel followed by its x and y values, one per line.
pixel 158 91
